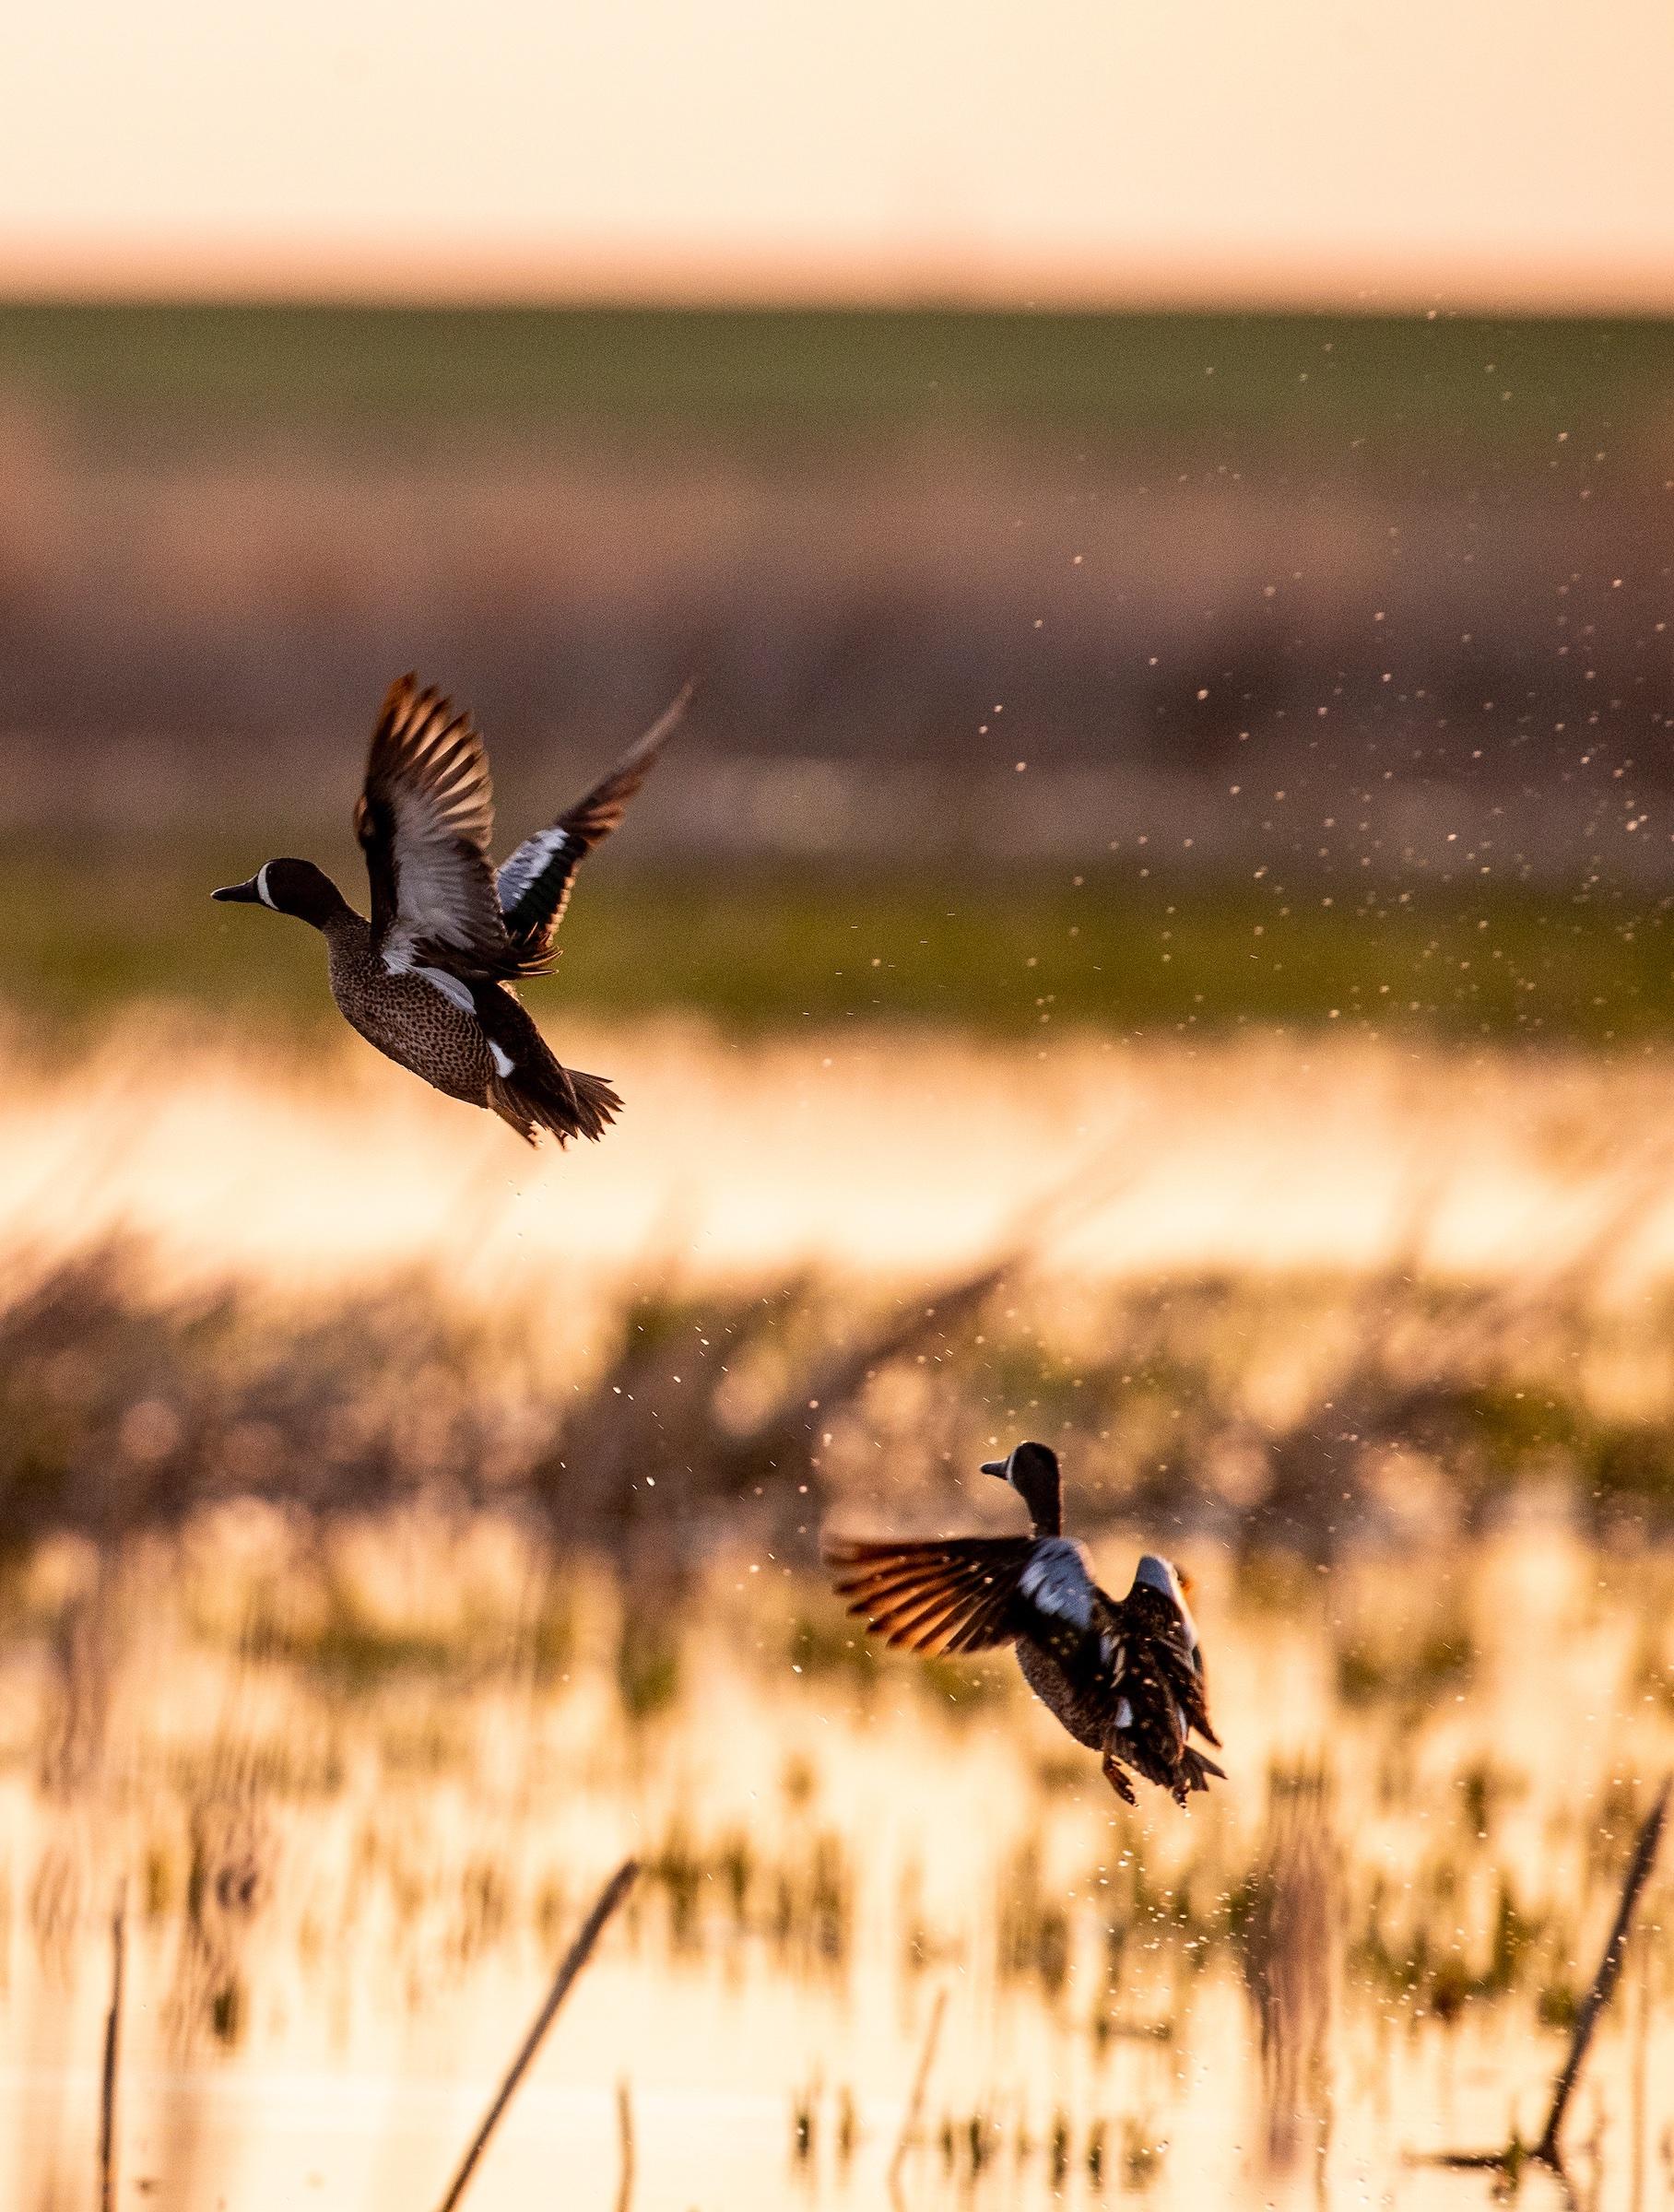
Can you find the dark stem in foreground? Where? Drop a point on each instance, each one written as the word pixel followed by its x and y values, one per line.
pixel 624 2127
pixel 921 2079
pixel 1608 1974
pixel 1547 2151
pixel 580 1951
pixel 113 2044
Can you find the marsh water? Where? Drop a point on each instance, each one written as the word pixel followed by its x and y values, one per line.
pixel 877 1151
pixel 356 1777
pixel 355 1838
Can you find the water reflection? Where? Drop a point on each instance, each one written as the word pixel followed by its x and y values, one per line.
pixel 362 1785
pixel 885 1153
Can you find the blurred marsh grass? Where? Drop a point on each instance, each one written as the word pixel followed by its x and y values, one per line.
pixel 363 1616
pixel 1312 1416
pixel 364 1869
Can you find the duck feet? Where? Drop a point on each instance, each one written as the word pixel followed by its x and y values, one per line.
pixel 1112 1773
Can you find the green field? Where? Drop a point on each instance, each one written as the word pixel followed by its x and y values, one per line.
pixel 1477 407
pixel 760 950
pixel 1366 388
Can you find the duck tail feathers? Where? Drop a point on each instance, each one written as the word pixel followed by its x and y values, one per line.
pixel 1200 1766
pixel 562 1099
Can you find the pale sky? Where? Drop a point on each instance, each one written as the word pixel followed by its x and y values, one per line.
pixel 1466 151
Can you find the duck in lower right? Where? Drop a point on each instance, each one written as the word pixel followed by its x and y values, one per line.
pixel 1124 1679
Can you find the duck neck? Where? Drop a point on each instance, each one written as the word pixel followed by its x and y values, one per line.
pixel 342 924
pixel 1047 1511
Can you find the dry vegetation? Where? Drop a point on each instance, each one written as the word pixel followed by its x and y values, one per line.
pixel 1313 1415
pixel 1197 561
pixel 354 1625
pixel 356 1638
pixel 360 1778
pixel 394 1539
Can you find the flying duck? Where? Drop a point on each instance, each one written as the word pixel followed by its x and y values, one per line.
pixel 429 979
pixel 1126 1679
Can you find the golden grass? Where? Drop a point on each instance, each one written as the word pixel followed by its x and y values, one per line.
pixel 347 1884
pixel 875 1153
pixel 341 1637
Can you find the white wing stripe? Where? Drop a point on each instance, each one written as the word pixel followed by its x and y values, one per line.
pixel 398 958
pixel 1057 1580
pixel 528 864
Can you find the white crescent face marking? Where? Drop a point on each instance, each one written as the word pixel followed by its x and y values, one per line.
pixel 1057 1582
pixel 262 892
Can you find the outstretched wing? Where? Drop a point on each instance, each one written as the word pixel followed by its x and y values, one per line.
pixel 424 822
pixel 535 882
pixel 960 1595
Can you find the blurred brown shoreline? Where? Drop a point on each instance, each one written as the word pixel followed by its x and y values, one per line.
pixel 1371 597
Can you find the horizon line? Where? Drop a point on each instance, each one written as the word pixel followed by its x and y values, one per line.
pixel 374 272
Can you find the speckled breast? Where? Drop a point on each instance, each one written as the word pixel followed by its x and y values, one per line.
pixel 410 1022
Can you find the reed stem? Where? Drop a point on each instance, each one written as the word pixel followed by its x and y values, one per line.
pixel 580 1951
pixel 112 2051
pixel 1608 1974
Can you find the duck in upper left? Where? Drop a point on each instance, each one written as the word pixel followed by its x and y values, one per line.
pixel 428 980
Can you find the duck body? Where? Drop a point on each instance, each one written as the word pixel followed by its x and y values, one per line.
pixel 430 979
pixel 405 1017
pixel 1078 1695
pixel 1124 1678
pixel 449 1041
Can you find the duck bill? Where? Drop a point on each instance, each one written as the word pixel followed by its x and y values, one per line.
pixel 997 1466
pixel 241 894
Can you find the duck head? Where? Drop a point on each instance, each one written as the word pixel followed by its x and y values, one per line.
pixel 1032 1472
pixel 290 887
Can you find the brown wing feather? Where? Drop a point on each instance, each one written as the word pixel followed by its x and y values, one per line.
pixel 1185 1679
pixel 1195 1699
pixel 1156 1630
pixel 957 1594
pixel 424 821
